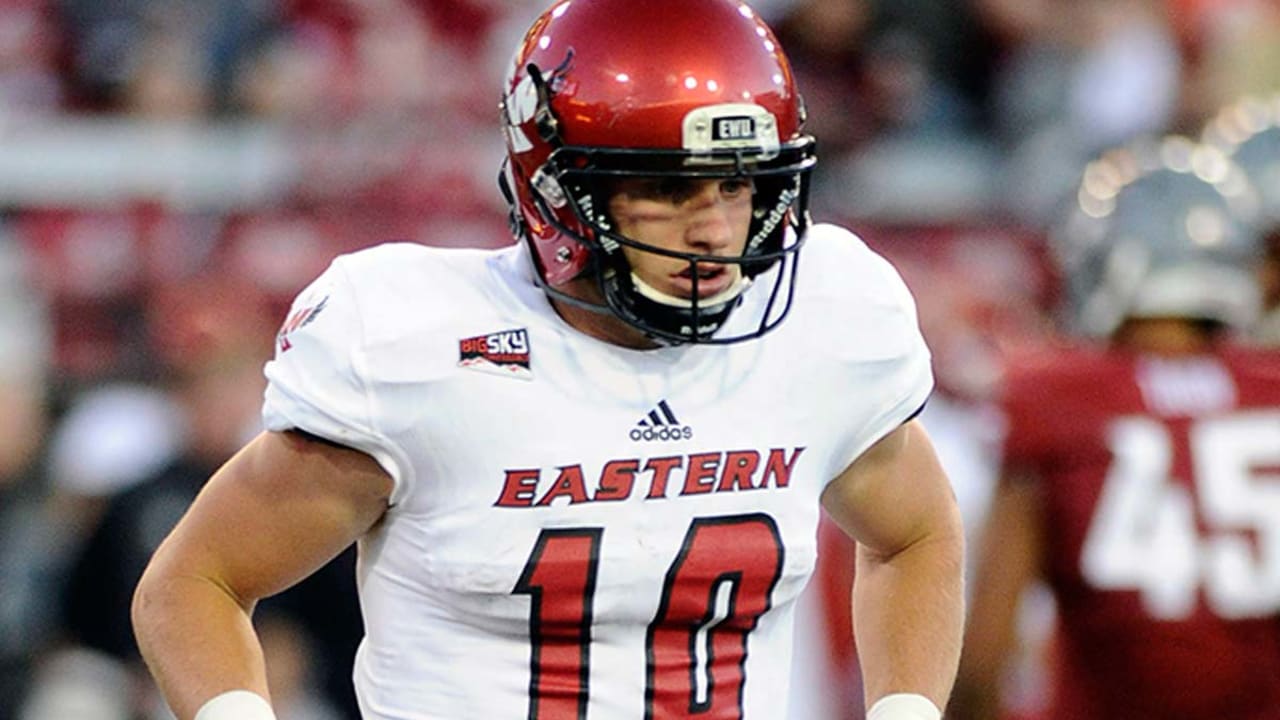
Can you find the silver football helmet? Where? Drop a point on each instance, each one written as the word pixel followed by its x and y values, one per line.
pixel 1161 228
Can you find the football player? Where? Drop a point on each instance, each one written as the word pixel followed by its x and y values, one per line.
pixel 585 472
pixel 1139 465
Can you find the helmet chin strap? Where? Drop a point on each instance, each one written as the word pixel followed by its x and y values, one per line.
pixel 651 293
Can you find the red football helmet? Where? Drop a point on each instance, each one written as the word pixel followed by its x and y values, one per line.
pixel 692 88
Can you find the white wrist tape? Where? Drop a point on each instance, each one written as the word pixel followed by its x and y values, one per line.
pixel 236 705
pixel 904 706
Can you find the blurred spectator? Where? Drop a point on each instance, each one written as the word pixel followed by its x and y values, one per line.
pixel 908 82
pixel 24 361
pixel 1232 49
pixel 1074 79
pixel 211 336
pixel 30 86
pixel 390 121
pixel 913 66
pixel 824 40
pixel 27 545
pixel 161 58
pixel 96 264
pixel 112 436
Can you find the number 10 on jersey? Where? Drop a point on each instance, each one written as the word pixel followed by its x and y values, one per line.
pixel 715 591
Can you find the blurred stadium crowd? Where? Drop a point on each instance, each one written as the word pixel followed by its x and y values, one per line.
pixel 172 172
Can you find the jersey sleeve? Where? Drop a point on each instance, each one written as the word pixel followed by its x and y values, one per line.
pixel 906 376
pixel 316 383
pixel 880 340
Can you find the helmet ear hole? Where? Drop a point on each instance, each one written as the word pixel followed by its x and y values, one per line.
pixel 549 188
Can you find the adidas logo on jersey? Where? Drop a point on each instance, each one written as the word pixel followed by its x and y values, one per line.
pixel 660 424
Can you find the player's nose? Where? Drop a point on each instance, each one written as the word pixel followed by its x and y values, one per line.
pixel 710 229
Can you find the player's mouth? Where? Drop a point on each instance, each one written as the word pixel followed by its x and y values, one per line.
pixel 712 279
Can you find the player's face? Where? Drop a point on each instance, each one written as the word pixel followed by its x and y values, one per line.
pixel 707 216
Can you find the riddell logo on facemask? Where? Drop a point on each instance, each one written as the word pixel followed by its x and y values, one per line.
pixel 660 425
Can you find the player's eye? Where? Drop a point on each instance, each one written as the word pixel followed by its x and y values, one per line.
pixel 735 187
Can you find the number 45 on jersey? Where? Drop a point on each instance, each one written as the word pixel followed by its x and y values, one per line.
pixel 1167 542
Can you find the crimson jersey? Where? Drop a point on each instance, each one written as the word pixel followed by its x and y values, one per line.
pixel 1161 498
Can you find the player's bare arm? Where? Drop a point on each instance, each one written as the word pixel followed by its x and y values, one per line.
pixel 278 510
pixel 1009 561
pixel 896 501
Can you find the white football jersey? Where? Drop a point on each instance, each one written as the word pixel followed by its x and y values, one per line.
pixel 581 530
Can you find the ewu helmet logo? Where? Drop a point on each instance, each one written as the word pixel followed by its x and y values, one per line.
pixel 504 353
pixel 660 425
pixel 741 127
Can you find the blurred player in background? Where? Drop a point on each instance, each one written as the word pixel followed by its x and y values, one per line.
pixel 585 472
pixel 1139 474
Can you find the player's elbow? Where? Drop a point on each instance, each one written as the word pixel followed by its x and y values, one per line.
pixel 157 600
pixel 147 605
